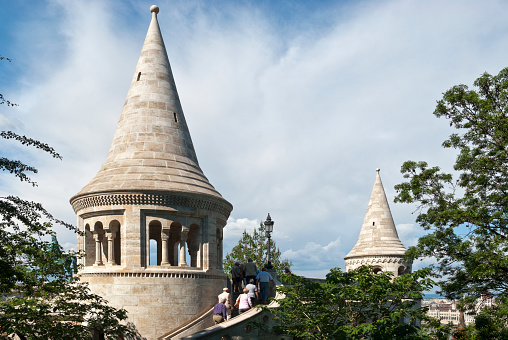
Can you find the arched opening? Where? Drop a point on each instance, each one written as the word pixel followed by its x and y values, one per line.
pixel 89 245
pixel 377 270
pixel 114 227
pixel 193 242
pixel 401 270
pixel 218 235
pixel 153 253
pixel 101 244
pixel 139 76
pixel 174 243
pixel 155 246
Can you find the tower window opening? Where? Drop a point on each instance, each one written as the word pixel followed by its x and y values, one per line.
pixel 373 223
pixel 153 253
pixel 139 76
pixel 174 115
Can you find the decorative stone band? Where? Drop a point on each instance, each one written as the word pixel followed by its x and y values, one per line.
pixel 167 200
pixel 378 259
pixel 160 274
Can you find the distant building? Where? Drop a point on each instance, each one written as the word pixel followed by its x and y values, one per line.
pixel 447 312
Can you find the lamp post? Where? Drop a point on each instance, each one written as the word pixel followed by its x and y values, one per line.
pixel 268 230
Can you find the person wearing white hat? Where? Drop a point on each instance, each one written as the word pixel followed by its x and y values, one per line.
pixel 229 301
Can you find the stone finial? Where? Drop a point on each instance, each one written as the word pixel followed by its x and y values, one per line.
pixel 154 9
pixel 377 170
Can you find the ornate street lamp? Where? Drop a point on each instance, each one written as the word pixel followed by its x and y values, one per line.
pixel 268 230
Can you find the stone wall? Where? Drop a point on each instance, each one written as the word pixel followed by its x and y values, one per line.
pixel 158 301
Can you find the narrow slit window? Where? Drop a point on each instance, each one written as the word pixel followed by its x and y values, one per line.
pixel 373 223
pixel 139 76
pixel 174 115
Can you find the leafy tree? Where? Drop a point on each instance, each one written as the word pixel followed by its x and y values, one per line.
pixel 255 246
pixel 466 213
pixel 41 298
pixel 353 305
pixel 490 323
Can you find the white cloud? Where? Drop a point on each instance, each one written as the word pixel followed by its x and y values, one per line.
pixel 69 246
pixel 235 228
pixel 409 234
pixel 315 258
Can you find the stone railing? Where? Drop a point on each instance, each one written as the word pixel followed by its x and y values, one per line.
pixel 256 323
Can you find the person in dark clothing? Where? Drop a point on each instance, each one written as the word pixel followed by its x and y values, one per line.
pixel 250 271
pixel 219 311
pixel 236 275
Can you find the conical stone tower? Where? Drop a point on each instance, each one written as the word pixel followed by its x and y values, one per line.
pixel 378 244
pixel 151 197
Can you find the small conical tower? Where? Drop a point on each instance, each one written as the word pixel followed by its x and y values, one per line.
pixel 152 222
pixel 378 244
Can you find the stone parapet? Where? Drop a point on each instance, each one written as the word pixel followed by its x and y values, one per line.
pixel 256 323
pixel 156 302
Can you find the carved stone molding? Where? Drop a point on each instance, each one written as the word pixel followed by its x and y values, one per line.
pixel 159 274
pixel 166 200
pixel 376 260
pixel 103 213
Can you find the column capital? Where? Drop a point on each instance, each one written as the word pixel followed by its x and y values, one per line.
pixel 111 236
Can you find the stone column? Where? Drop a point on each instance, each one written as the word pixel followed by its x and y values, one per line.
pixel 165 240
pixel 81 241
pixel 111 248
pixel 210 244
pixel 182 262
pixel 135 238
pixel 98 248
pixel 219 252
pixel 221 249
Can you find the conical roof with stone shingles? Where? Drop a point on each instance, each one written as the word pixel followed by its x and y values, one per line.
pixel 152 148
pixel 378 235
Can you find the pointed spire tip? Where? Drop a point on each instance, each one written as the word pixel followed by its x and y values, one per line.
pixel 154 9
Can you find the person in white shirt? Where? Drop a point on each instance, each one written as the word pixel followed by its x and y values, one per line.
pixel 253 291
pixel 229 301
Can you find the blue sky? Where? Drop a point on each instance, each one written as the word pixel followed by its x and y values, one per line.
pixel 291 105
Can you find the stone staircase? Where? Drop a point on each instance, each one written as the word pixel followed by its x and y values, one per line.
pixel 234 296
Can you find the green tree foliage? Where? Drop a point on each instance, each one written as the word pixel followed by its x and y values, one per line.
pixel 466 213
pixel 353 305
pixel 255 246
pixel 41 298
pixel 490 323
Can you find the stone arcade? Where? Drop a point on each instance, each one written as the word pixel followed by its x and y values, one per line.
pixel 151 188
